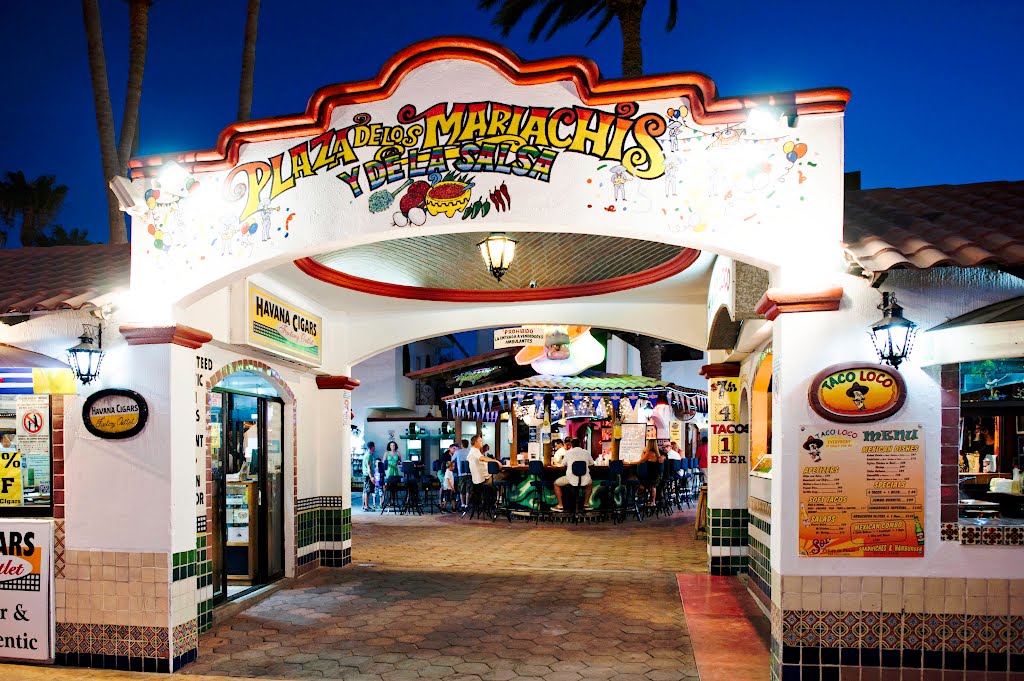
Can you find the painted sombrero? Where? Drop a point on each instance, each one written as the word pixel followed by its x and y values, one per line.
pixel 811 440
pixel 857 388
pixel 531 353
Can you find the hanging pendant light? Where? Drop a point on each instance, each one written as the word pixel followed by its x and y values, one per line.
pixel 498 250
pixel 893 334
pixel 86 357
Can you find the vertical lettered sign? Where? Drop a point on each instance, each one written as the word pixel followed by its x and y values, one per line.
pixel 26 587
pixel 723 418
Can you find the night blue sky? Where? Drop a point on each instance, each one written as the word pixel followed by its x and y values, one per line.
pixel 936 85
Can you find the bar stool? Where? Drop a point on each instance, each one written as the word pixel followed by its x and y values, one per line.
pixel 412 503
pixel 539 484
pixel 611 487
pixel 633 489
pixel 501 488
pixel 578 470
pixel 391 500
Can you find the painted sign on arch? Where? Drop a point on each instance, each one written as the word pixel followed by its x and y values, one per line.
pixel 457 142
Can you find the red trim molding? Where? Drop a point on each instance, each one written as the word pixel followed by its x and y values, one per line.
pixel 775 302
pixel 724 370
pixel 336 382
pixel 705 105
pixel 185 336
pixel 458 295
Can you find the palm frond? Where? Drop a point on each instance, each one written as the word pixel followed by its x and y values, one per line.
pixel 605 20
pixel 673 14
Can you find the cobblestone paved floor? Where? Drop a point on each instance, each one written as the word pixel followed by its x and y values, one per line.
pixel 440 597
pixel 437 597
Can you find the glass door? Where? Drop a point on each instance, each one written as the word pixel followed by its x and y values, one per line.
pixel 218 408
pixel 247 538
pixel 272 508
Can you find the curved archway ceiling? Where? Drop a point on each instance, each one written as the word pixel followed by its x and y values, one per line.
pixel 453 261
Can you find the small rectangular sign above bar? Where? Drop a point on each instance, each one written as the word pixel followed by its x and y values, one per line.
pixel 518 336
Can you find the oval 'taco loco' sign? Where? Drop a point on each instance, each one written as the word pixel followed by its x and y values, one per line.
pixel 857 393
pixel 115 414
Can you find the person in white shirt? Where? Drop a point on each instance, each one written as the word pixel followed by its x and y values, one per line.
pixel 478 462
pixel 572 455
pixel 461 456
pixel 448 487
pixel 673 451
pixel 558 452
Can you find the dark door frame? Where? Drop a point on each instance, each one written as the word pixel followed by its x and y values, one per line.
pixel 262 509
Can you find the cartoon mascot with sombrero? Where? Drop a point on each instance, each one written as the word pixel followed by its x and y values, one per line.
pixel 857 393
pixel 813 447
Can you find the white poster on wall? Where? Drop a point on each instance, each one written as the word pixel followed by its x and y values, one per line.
pixel 634 439
pixel 26 585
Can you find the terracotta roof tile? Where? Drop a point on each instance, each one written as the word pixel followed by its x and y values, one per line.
pixel 61 277
pixel 945 225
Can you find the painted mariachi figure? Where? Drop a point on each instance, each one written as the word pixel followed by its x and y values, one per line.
pixel 813 447
pixel 858 393
pixel 620 176
pixel 264 212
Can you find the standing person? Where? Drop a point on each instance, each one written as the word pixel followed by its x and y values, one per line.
pixel 448 488
pixel 448 454
pixel 369 463
pixel 393 461
pixel 702 456
pixel 461 456
pixel 572 455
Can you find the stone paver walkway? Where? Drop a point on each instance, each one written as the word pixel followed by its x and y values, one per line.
pixel 438 597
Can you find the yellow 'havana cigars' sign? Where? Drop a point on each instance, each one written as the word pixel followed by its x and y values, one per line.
pixel 282 328
pixel 857 393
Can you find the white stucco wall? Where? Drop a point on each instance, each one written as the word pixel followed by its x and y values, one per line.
pixel 805 343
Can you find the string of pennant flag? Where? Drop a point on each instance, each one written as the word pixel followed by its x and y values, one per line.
pixel 489 405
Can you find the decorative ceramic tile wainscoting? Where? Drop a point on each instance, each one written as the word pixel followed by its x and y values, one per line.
pixel 880 628
pixel 759 552
pixel 113 610
pixel 324 537
pixel 727 540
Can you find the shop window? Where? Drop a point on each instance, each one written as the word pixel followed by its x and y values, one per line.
pixel 991 438
pixel 761 417
pixel 26 456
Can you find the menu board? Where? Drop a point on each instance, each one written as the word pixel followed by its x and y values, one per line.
pixel 862 491
pixel 634 439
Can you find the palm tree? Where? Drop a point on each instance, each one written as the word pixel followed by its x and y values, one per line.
pixel 61 237
pixel 28 206
pixel 248 61
pixel 557 14
pixel 114 155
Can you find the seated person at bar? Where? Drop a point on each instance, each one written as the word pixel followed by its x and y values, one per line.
pixel 573 454
pixel 478 462
pixel 558 450
pixel 654 458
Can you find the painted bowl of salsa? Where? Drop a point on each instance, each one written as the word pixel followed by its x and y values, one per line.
pixel 448 198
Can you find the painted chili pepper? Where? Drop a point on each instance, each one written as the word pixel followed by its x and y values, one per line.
pixel 499 203
pixel 504 191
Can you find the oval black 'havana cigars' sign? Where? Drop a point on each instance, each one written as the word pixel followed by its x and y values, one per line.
pixel 115 413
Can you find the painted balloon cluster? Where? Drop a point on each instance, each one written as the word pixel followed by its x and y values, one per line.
pixel 794 151
pixel 681 112
pixel 152 197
